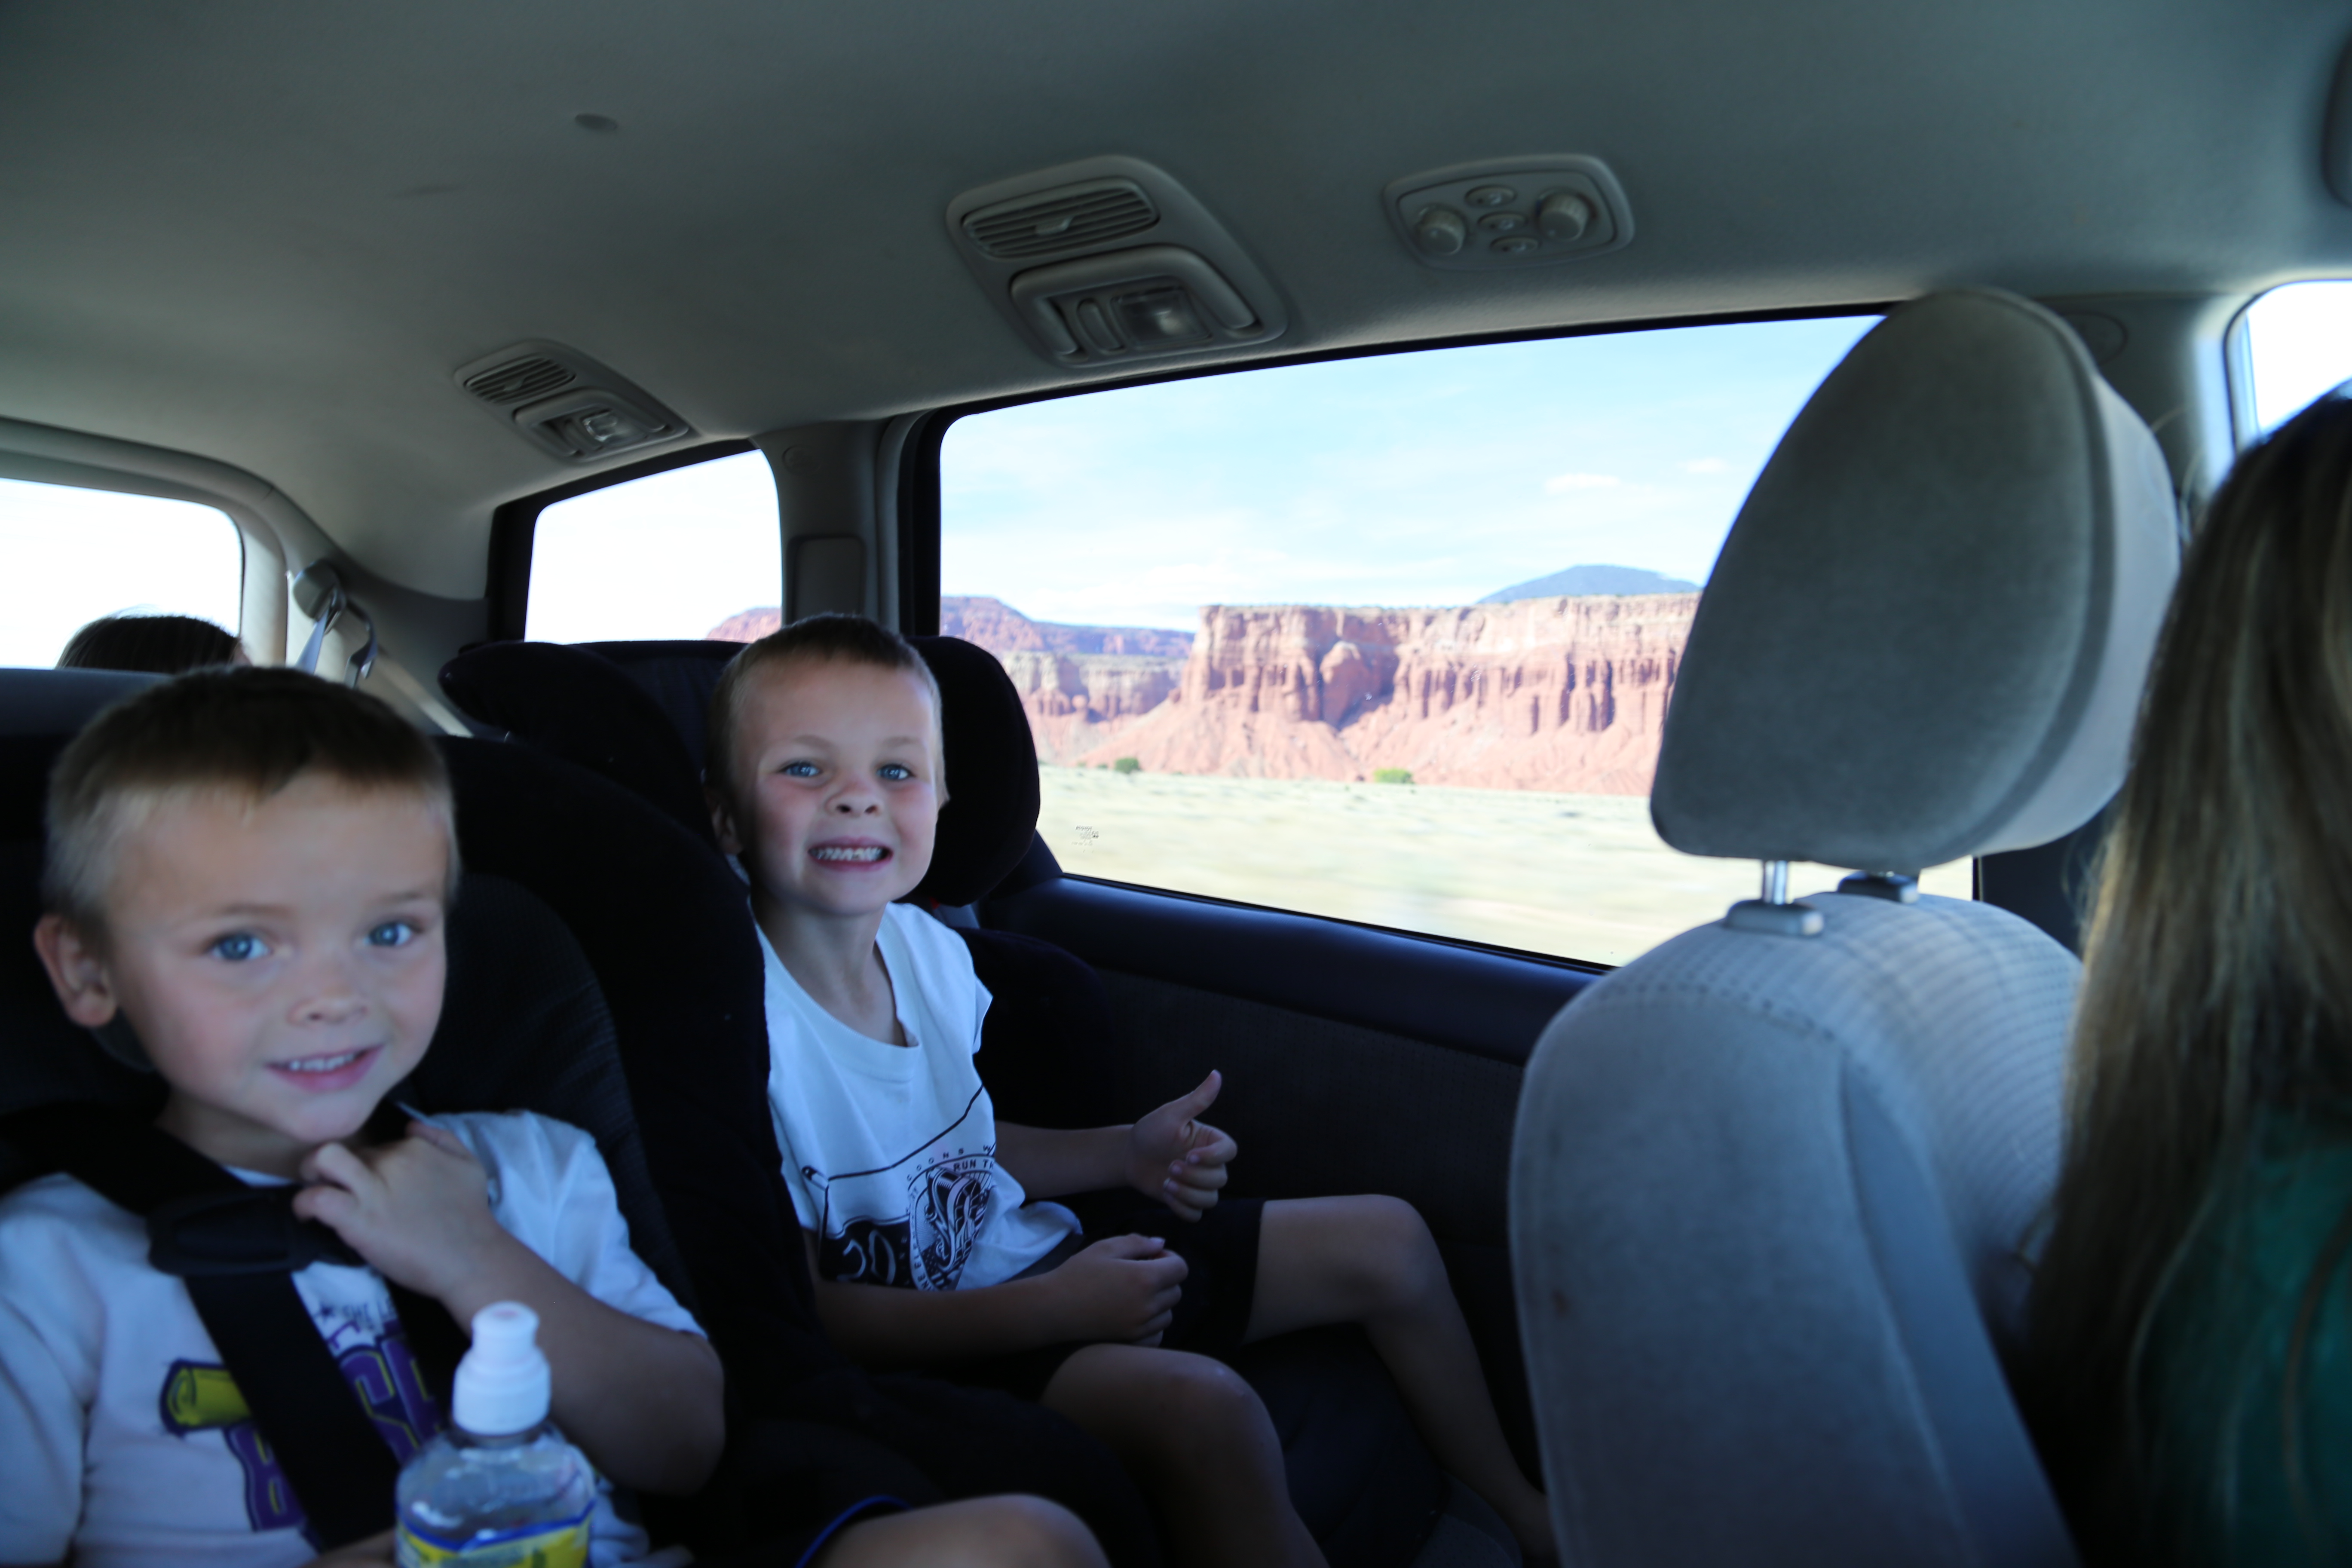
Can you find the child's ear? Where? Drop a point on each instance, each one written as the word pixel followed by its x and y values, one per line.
pixel 77 971
pixel 722 821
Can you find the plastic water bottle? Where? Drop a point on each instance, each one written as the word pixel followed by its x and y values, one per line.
pixel 500 1488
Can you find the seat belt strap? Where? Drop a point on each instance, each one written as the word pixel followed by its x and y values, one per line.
pixel 341 1467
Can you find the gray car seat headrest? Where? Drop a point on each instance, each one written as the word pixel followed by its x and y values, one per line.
pixel 1926 635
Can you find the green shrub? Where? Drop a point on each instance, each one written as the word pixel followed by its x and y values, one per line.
pixel 1127 765
pixel 1392 776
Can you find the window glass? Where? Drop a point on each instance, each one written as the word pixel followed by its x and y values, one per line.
pixel 72 555
pixel 670 555
pixel 1386 638
pixel 2298 345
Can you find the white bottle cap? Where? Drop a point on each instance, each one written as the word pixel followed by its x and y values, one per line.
pixel 502 1386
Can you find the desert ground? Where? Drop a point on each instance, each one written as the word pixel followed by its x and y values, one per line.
pixel 1580 875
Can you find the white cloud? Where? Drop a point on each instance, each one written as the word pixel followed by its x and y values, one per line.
pixel 1560 484
pixel 1706 465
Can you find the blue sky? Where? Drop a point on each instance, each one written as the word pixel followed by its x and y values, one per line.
pixel 1428 478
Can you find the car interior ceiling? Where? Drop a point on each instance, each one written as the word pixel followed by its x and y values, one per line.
pixel 245 251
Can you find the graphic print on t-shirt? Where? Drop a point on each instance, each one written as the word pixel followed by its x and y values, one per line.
pixel 912 1223
pixel 373 1353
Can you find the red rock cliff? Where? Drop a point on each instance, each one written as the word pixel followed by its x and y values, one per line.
pixel 1553 694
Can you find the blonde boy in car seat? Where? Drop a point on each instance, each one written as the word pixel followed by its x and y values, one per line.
pixel 826 780
pixel 252 870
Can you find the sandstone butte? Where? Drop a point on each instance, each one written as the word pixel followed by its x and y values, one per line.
pixel 1565 694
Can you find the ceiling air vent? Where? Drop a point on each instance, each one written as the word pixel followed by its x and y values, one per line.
pixel 1069 218
pixel 561 400
pixel 1056 253
pixel 519 381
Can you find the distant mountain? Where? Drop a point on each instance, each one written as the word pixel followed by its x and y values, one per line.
pixel 1577 582
pixel 1001 629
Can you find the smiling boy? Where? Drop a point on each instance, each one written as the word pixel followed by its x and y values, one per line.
pixel 826 778
pixel 248 879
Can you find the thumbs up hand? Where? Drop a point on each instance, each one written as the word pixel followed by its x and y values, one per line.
pixel 1176 1157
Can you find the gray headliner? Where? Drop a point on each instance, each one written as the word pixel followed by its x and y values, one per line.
pixel 265 233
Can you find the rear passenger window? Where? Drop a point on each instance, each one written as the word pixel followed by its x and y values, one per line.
pixel 1390 638
pixel 73 555
pixel 672 554
pixel 2298 346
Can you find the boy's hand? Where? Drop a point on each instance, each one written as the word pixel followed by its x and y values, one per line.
pixel 1174 1156
pixel 418 1209
pixel 1124 1288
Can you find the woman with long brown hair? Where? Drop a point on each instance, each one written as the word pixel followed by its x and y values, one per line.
pixel 2191 1321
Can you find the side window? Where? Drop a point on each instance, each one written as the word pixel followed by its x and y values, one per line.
pixel 1390 638
pixel 73 555
pixel 672 554
pixel 2298 345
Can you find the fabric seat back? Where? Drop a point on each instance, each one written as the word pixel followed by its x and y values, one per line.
pixel 1772 1194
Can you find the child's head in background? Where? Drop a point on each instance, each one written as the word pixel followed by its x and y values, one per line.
pixel 826 770
pixel 252 869
pixel 159 644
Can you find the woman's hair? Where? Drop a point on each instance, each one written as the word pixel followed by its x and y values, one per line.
pixel 2218 956
pixel 825 638
pixel 247 731
pixel 159 645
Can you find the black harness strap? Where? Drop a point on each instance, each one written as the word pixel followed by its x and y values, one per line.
pixel 237 1247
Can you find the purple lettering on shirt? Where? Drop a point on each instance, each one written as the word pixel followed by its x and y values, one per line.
pixel 200 1396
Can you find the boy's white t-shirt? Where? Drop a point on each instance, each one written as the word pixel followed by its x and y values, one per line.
pixel 890 1150
pixel 122 1438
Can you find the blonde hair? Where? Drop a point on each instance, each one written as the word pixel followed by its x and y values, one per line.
pixel 2218 959
pixel 831 638
pixel 249 732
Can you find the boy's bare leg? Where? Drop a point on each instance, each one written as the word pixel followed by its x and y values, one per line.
pixel 1372 1260
pixel 984 1532
pixel 1196 1438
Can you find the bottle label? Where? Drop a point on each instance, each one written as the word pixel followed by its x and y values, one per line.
pixel 563 1545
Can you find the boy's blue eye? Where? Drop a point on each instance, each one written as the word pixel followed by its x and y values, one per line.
pixel 799 770
pixel 239 946
pixel 895 772
pixel 392 934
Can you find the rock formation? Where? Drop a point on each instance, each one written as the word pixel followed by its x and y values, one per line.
pixel 1554 694
pixel 1000 628
pixel 749 625
pixel 1566 694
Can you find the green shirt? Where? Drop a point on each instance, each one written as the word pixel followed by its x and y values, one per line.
pixel 2234 1484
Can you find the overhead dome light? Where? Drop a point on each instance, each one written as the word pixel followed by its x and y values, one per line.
pixel 1149 299
pixel 1109 259
pixel 565 401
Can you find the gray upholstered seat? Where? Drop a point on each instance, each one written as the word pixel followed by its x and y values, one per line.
pixel 1771 1192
